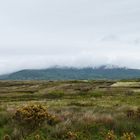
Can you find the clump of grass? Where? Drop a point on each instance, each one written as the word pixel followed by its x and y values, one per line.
pixel 131 113
pixel 82 104
pixel 55 94
pixel 138 113
pixel 95 94
pixel 4 118
pixel 6 137
pixel 37 137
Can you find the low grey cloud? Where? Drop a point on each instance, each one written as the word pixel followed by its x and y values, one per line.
pixel 80 33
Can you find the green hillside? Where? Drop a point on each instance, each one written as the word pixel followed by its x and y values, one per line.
pixel 73 74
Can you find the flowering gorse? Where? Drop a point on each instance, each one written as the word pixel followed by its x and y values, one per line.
pixel 128 136
pixel 110 136
pixel 31 115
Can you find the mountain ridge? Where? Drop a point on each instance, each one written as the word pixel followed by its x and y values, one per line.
pixel 72 73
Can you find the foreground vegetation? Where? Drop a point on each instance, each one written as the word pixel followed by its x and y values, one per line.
pixel 69 110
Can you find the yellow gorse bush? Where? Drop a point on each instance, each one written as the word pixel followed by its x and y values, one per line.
pixel 71 135
pixel 128 136
pixel 110 136
pixel 33 115
pixel 37 137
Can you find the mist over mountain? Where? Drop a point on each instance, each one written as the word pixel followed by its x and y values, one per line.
pixel 71 73
pixel 40 34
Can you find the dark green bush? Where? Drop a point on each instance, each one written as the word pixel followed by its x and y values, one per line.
pixel 55 94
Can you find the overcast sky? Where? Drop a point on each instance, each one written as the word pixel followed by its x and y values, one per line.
pixel 80 33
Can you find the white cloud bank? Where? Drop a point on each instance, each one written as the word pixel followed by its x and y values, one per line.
pixel 80 33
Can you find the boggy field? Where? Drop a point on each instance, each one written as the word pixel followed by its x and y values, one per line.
pixel 69 110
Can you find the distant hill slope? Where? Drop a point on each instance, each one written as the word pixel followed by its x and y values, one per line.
pixel 73 74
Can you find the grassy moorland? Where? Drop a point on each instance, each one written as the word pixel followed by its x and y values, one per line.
pixel 69 110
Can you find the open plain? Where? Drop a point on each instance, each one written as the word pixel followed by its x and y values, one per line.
pixel 76 110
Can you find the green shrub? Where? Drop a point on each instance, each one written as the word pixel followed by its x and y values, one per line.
pixel 55 94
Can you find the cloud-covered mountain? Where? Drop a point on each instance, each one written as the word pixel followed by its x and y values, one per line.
pixel 66 73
